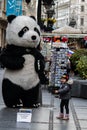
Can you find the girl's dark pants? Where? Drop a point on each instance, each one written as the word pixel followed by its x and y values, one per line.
pixel 64 103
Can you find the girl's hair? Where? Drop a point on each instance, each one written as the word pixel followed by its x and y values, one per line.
pixel 65 76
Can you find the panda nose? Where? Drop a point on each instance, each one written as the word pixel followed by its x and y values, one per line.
pixel 33 37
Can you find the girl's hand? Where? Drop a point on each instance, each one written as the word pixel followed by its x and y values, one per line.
pixel 56 91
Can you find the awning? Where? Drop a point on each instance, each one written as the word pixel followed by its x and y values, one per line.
pixel 67 29
pixel 68 35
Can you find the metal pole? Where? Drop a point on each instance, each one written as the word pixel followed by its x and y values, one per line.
pixel 39 13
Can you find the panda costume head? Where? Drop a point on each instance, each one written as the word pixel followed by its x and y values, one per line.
pixel 23 31
pixel 23 62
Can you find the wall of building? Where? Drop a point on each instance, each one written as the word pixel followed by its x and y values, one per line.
pixel 3 22
pixel 62 12
pixel 68 9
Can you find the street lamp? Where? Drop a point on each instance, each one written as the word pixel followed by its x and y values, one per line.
pixel 49 11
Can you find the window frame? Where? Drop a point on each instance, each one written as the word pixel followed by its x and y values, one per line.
pixel 82 21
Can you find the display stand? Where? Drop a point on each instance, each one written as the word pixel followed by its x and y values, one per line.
pixel 59 61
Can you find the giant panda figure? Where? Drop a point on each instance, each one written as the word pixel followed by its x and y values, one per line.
pixel 23 62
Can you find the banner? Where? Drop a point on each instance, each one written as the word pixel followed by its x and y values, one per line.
pixel 14 7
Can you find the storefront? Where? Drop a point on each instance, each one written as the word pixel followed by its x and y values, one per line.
pixel 58 53
pixel 75 41
pixel 3 24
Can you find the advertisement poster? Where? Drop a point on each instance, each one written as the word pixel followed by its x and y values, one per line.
pixel 14 7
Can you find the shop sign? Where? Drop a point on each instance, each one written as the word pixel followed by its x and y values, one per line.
pixel 14 7
pixel 46 39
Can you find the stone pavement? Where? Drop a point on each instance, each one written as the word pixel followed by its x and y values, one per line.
pixel 44 117
pixel 79 110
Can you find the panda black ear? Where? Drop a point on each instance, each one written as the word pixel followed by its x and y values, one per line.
pixel 10 18
pixel 33 17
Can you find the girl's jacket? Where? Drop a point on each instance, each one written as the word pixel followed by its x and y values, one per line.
pixel 65 90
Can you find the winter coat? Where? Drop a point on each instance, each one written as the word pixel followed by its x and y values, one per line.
pixel 65 91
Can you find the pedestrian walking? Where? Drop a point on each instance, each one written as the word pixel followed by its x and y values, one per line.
pixel 64 95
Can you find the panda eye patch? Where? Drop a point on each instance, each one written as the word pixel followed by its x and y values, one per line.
pixel 23 30
pixel 36 30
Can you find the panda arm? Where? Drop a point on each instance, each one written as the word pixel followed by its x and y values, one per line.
pixel 10 61
pixel 42 77
pixel 39 65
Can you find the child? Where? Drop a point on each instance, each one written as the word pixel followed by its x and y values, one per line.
pixel 64 93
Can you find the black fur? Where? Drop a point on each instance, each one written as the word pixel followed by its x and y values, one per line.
pixel 33 17
pixel 10 18
pixel 23 30
pixel 12 60
pixel 13 94
pixel 36 30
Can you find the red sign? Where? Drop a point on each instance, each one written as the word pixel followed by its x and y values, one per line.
pixel 64 39
pixel 85 38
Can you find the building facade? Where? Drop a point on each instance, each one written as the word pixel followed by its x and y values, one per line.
pixel 73 13
pixel 62 9
pixel 3 22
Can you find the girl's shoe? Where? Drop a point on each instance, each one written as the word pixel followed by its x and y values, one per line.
pixel 61 116
pixel 66 117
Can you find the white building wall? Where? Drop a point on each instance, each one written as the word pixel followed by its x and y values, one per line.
pixel 84 15
pixel 68 9
pixel 62 12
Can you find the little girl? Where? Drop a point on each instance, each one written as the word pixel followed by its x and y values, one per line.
pixel 65 95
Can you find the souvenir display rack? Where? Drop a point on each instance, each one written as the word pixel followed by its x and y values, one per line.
pixel 58 65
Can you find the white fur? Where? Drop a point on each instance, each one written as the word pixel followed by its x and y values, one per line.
pixel 16 25
pixel 26 77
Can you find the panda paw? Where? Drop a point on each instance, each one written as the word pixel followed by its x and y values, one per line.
pixel 36 105
pixel 17 106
